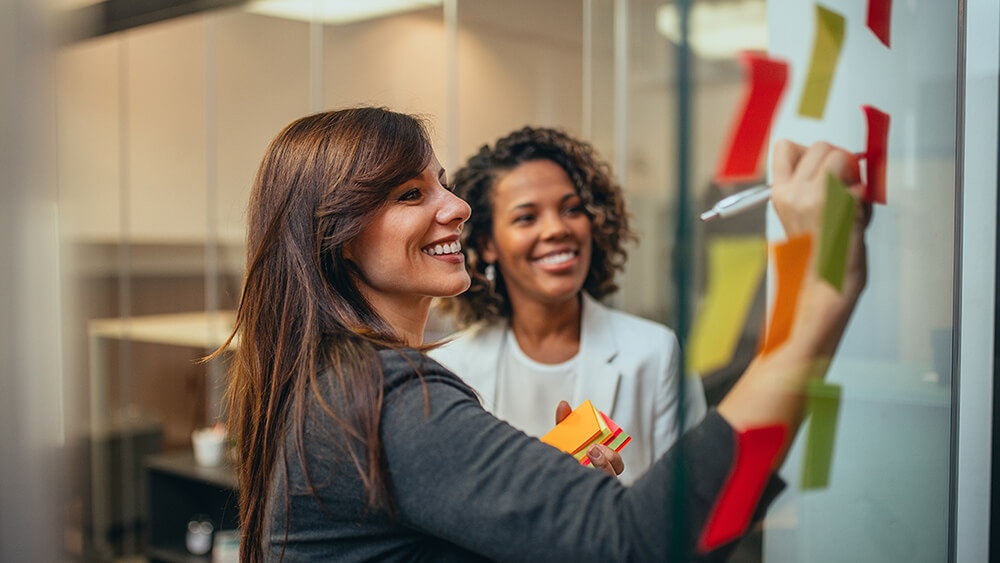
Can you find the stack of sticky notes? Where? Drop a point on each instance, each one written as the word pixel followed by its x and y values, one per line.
pixel 583 428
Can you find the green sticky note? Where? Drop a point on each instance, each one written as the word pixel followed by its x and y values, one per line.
pixel 838 218
pixel 822 409
pixel 826 52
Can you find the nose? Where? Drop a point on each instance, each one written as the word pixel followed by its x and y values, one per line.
pixel 554 227
pixel 453 208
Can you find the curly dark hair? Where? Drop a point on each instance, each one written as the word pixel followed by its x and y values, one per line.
pixel 602 198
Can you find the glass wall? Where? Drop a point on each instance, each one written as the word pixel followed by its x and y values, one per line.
pixel 158 128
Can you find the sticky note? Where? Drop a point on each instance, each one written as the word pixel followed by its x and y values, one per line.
pixel 838 218
pixel 879 19
pixel 822 409
pixel 736 267
pixel 764 83
pixel 826 52
pixel 576 430
pixel 616 441
pixel 584 427
pixel 791 258
pixel 602 436
pixel 876 151
pixel 757 450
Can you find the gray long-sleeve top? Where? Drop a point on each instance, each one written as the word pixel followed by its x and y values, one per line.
pixel 469 487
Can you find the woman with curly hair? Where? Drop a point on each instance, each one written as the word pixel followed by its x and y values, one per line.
pixel 546 238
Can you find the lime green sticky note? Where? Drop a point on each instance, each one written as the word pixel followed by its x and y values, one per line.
pixel 838 218
pixel 826 52
pixel 735 269
pixel 822 409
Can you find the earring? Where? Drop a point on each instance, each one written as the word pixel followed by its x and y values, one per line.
pixel 491 273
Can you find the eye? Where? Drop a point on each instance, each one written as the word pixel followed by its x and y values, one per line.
pixel 524 219
pixel 412 194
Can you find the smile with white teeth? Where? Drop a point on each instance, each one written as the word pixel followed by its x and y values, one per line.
pixel 439 249
pixel 554 259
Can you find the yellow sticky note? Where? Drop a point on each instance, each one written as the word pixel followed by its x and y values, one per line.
pixel 576 430
pixel 735 269
pixel 826 52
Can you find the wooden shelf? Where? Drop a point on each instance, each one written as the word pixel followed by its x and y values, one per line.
pixel 200 329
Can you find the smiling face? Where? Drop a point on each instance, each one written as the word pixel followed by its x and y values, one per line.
pixel 410 251
pixel 541 239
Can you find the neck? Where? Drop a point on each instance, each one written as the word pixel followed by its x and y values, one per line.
pixel 407 316
pixel 548 332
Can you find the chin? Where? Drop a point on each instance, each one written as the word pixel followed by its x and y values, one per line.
pixel 458 288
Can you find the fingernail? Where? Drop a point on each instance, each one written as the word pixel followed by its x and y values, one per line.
pixel 596 454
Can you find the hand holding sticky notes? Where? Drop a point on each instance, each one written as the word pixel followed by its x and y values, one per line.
pixel 584 427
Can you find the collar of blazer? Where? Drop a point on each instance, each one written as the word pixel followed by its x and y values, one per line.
pixel 598 378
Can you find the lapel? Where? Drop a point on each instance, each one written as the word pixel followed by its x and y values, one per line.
pixel 484 361
pixel 599 377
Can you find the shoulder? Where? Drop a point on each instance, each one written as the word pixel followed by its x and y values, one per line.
pixel 403 366
pixel 469 343
pixel 629 330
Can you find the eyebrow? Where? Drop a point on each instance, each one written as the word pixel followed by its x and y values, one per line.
pixel 562 200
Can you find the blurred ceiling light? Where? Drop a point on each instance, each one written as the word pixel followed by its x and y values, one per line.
pixel 718 30
pixel 335 11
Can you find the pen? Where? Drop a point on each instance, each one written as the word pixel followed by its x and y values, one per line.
pixel 745 200
pixel 738 202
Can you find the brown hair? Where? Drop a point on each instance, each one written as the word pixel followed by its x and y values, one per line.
pixel 601 195
pixel 301 314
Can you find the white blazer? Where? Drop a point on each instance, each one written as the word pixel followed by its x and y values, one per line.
pixel 629 369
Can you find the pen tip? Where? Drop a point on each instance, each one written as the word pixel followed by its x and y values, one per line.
pixel 709 215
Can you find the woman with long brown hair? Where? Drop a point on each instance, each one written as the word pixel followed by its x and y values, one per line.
pixel 352 445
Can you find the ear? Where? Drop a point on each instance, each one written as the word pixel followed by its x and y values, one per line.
pixel 348 252
pixel 489 252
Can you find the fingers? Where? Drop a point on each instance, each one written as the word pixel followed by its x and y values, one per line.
pixel 606 459
pixel 562 411
pixel 800 178
pixel 786 158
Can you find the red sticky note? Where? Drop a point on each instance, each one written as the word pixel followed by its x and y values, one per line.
pixel 876 153
pixel 756 451
pixel 765 81
pixel 879 19
pixel 791 258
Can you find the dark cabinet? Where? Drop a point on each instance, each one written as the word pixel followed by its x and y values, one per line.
pixel 180 490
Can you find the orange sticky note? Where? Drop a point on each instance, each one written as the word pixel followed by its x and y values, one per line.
pixel 756 451
pixel 791 258
pixel 576 430
pixel 602 436
pixel 765 83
